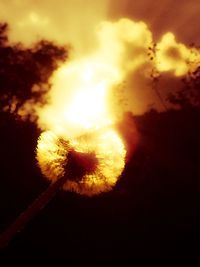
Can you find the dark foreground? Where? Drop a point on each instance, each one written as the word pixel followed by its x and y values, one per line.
pixel 153 211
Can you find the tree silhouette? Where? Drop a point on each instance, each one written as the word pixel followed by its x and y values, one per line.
pixel 189 95
pixel 24 72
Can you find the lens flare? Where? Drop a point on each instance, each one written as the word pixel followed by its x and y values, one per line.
pixel 78 99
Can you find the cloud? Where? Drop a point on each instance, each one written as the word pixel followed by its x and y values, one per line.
pixel 58 20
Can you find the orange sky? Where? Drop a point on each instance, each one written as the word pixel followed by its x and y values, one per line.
pixel 75 22
pixel 59 19
pixel 180 17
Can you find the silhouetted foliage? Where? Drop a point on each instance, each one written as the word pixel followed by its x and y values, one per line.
pixel 155 75
pixel 24 72
pixel 189 95
pixel 3 35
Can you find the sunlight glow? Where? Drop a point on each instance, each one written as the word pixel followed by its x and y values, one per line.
pixel 80 101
